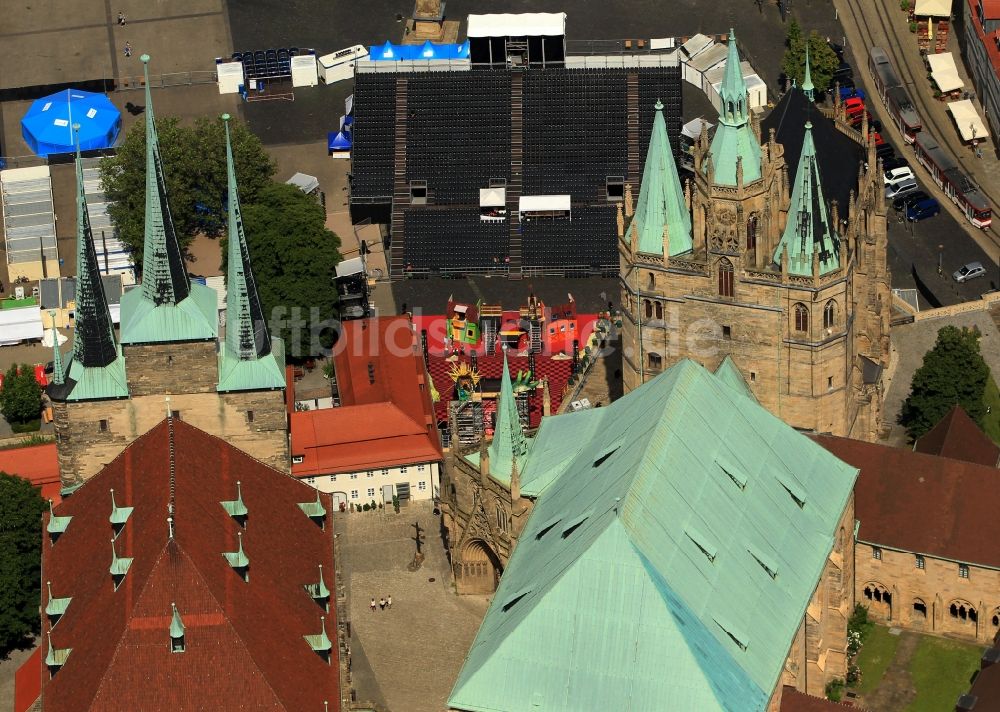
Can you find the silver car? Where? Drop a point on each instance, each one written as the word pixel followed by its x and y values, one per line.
pixel 969 271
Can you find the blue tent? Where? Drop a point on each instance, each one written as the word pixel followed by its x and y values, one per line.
pixel 337 142
pixel 48 125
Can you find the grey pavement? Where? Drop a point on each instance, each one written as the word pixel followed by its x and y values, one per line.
pixel 408 657
pixel 911 341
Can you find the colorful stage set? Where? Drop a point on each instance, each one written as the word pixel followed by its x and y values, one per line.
pixel 464 351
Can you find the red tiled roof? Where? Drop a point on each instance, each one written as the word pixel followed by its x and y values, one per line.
pixel 923 503
pixel 359 437
pixel 991 9
pixel 957 436
pixel 37 464
pixel 28 682
pixel 386 417
pixel 794 701
pixel 244 644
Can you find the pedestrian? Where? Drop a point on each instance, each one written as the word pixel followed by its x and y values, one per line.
pixel 373 605
pixel 381 603
pixel 128 49
pixel 121 19
pixel 388 601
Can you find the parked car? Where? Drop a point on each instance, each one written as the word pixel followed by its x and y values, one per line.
pixel 854 105
pixel 851 92
pixel 844 70
pixel 878 138
pixel 895 162
pixel 922 209
pixel 969 271
pixel 894 174
pixel 900 188
pixel 885 151
pixel 838 50
pixel 905 201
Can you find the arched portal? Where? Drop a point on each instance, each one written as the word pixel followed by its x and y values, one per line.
pixel 478 570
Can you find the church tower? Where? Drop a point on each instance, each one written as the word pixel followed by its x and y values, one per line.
pixel 758 268
pixel 170 346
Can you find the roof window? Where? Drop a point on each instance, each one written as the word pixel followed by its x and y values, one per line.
pixel 119 566
pixel 320 643
pixel 318 591
pixel 703 543
pixel 736 474
pixel 575 524
pixel 734 633
pixel 236 508
pixel 797 495
pixel 176 631
pixel 55 609
pixel 119 515
pixel 766 562
pixel 239 560
pixel 57 525
pixel 547 528
pixel 513 600
pixel 315 510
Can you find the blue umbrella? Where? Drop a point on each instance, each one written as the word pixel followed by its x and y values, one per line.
pixel 48 125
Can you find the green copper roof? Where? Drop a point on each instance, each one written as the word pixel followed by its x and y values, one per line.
pixel 318 591
pixel 119 564
pixel 237 559
pixel 728 373
pixel 313 510
pixel 96 370
pixel 671 557
pixel 661 198
pixel 734 138
pixel 321 642
pixel 167 307
pixel 119 515
pixel 235 507
pixel 56 606
pixel 57 525
pixel 56 657
pixel 509 446
pixel 176 623
pixel 807 231
pixel 249 358
pixel 807 82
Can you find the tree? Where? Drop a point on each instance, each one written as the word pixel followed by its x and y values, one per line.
pixel 294 260
pixel 953 372
pixel 21 510
pixel 21 396
pixel 194 167
pixel 823 61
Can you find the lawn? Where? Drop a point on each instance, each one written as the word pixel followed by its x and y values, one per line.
pixel 875 656
pixel 941 670
pixel 991 398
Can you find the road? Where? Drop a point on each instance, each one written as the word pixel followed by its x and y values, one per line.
pixel 881 23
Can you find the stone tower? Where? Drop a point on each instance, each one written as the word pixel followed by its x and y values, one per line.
pixel 110 394
pixel 745 262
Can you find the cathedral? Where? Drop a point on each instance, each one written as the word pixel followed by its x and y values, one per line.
pixel 169 356
pixel 749 261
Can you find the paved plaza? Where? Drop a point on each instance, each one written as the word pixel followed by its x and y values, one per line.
pixel 405 658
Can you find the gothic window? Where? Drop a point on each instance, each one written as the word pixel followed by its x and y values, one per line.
pixel 963 570
pixel 652 281
pixel 920 608
pixel 752 237
pixel 501 518
pixel 829 314
pixel 801 317
pixel 876 553
pixel 654 360
pixel 659 310
pixel 730 107
pixel 648 308
pixel 726 288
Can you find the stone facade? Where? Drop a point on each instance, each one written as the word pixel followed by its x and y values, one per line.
pixel 91 434
pixel 798 340
pixel 482 518
pixel 936 598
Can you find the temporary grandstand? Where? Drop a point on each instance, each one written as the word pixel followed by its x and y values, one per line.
pixel 29 223
pixel 446 149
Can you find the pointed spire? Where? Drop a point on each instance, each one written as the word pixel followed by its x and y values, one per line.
pixel 176 623
pixel 94 337
pixel 164 277
pixel 58 375
pixel 661 206
pixel 246 330
pixel 509 443
pixel 734 89
pixel 807 82
pixel 808 232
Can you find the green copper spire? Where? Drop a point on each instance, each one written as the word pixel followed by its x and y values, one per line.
pixel 661 199
pixel 807 232
pixel 807 82
pixel 249 359
pixel 58 375
pixel 167 307
pixel 509 445
pixel 734 141
pixel 176 624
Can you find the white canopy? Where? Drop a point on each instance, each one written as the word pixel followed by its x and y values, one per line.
pixel 696 45
pixel 542 203
pixel 968 121
pixel 944 71
pixel 528 24
pixel 304 182
pixel 492 197
pixel 932 8
pixel 346 268
pixel 17 325
pixel 692 129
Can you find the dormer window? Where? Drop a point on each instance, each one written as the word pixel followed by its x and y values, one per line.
pixel 119 566
pixel 55 608
pixel 57 525
pixel 119 515
pixel 236 508
pixel 238 560
pixel 320 643
pixel 318 591
pixel 315 511
pixel 176 631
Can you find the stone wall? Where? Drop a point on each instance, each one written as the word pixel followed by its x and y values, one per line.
pixel 936 587
pixel 92 434
pixel 164 369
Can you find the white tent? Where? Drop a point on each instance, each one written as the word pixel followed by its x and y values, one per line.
pixel 304 182
pixel 932 8
pixel 944 72
pixel 527 24
pixel 970 125
pixel 17 325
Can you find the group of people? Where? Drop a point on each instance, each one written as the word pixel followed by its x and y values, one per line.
pixel 383 603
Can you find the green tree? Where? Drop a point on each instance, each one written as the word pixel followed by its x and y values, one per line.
pixel 294 260
pixel 21 396
pixel 823 61
pixel 953 372
pixel 194 166
pixel 21 510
